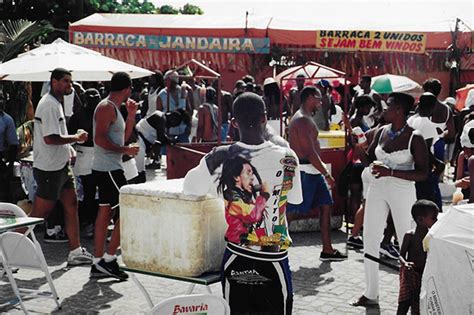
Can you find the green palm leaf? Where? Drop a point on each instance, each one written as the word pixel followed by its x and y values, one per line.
pixel 20 33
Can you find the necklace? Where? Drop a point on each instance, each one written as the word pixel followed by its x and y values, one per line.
pixel 394 134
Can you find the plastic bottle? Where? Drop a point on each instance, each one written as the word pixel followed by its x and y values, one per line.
pixel 357 131
pixel 457 196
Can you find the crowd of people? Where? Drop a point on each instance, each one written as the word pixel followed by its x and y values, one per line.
pixel 108 137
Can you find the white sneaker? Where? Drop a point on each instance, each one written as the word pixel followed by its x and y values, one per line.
pixel 82 258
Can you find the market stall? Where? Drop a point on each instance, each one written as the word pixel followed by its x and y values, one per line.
pixel 258 45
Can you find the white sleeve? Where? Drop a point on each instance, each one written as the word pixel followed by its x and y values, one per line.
pixel 295 195
pixel 198 181
pixel 50 121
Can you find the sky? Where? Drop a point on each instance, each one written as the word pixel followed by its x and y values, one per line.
pixel 422 14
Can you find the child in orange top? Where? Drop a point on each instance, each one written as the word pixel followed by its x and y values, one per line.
pixel 413 257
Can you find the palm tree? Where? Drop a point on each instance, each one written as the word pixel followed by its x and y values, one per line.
pixel 17 36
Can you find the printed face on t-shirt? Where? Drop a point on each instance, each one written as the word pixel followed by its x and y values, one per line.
pixel 245 179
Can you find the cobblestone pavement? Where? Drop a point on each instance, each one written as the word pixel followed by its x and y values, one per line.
pixel 319 288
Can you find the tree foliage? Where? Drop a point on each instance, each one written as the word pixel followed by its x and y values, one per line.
pixel 167 9
pixel 19 34
pixel 126 6
pixel 191 9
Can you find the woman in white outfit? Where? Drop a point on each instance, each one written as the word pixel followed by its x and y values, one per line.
pixel 402 160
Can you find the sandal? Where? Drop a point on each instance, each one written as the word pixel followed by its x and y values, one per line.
pixel 363 301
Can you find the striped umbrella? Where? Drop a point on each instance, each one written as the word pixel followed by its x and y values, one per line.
pixel 388 83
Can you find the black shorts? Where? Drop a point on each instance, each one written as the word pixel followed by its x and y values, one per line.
pixel 256 282
pixel 108 184
pixel 356 174
pixel 50 184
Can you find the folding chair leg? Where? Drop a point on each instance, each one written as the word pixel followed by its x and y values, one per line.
pixel 14 286
pixel 44 266
pixel 142 289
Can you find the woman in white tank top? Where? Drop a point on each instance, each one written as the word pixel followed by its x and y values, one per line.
pixel 402 160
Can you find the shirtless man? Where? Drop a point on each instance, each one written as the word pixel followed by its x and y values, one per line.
pixel 315 177
pixel 295 93
pixel 207 118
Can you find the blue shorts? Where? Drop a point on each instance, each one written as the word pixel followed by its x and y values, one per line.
pixel 439 149
pixel 315 194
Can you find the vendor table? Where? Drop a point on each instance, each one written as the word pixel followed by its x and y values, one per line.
pixel 205 279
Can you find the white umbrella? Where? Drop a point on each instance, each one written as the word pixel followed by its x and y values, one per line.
pixel 85 64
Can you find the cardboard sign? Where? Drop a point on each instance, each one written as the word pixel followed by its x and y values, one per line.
pixel 407 42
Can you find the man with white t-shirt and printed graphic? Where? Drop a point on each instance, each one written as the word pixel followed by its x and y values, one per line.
pixel 257 179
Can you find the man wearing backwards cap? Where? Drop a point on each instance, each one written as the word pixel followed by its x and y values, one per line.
pixel 111 133
pixel 170 99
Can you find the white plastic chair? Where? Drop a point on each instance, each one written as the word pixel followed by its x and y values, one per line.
pixel 194 303
pixel 19 250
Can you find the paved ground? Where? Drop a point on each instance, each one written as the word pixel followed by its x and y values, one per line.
pixel 319 288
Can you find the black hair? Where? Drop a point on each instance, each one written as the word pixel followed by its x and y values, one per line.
pixel 248 109
pixel 432 85
pixel 427 101
pixel 120 81
pixel 240 83
pixel 174 118
pixel 230 169
pixel 366 78
pixel 211 95
pixel 471 135
pixel 92 98
pixel 59 73
pixel 158 76
pixel 248 78
pixel 423 208
pixel 405 100
pixel 307 91
pixel 250 87
pixel 364 100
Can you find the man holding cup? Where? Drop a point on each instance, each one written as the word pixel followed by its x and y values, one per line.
pixel 51 168
pixel 111 133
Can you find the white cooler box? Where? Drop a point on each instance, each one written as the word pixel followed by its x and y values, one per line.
pixel 163 230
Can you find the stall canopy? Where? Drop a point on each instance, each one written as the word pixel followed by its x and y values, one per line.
pixel 237 45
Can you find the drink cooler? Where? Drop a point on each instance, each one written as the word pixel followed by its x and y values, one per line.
pixel 163 230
